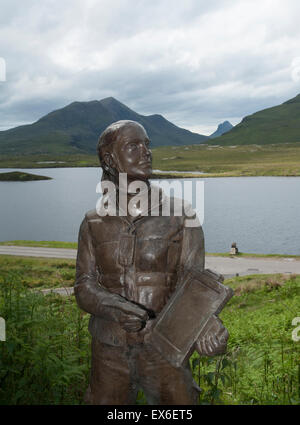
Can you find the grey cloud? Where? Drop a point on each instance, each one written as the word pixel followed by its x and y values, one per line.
pixel 197 63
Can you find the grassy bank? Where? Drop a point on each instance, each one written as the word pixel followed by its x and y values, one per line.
pixel 46 357
pixel 231 161
pixel 48 161
pixel 38 272
pixel 262 365
pixel 45 272
pixel 42 244
pixel 214 160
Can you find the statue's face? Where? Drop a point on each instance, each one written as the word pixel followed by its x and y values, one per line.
pixel 131 152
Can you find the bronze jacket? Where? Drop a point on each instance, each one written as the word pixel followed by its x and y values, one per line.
pixel 140 260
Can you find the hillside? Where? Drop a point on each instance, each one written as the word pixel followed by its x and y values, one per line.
pixel 75 129
pixel 280 124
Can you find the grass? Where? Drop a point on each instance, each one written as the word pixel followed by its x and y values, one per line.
pixel 38 272
pixel 46 357
pixel 262 364
pixel 56 161
pixel 214 160
pixel 230 161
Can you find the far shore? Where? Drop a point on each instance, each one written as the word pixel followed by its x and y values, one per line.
pixel 280 160
pixel 164 174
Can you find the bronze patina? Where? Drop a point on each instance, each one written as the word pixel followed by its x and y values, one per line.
pixel 130 272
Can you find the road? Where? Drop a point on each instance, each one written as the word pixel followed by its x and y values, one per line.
pixel 228 266
pixel 26 251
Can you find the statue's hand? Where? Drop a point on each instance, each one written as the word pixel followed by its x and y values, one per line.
pixel 130 316
pixel 215 341
pixel 133 322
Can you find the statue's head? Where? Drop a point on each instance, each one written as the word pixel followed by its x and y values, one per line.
pixel 123 147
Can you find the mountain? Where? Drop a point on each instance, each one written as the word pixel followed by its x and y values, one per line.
pixel 76 128
pixel 280 124
pixel 223 128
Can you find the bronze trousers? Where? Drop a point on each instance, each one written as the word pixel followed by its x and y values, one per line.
pixel 117 373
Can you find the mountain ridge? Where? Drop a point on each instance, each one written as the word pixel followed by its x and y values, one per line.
pixel 75 128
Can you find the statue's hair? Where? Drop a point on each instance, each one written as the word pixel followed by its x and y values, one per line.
pixel 105 143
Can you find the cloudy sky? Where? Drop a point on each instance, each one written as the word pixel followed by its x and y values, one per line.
pixel 196 62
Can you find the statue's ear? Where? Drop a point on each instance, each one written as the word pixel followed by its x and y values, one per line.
pixel 109 160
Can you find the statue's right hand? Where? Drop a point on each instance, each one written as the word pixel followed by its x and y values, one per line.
pixel 132 318
pixel 133 323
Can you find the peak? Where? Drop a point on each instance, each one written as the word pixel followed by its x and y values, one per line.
pixel 225 125
pixel 157 116
pixel 80 103
pixel 109 99
pixel 223 128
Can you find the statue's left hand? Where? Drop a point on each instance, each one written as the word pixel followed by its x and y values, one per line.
pixel 215 341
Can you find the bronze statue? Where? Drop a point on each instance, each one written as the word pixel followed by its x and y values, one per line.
pixel 128 267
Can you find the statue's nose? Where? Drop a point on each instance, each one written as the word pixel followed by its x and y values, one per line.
pixel 146 153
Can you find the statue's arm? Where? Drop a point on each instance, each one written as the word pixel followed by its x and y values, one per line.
pixel 192 249
pixel 193 255
pixel 90 295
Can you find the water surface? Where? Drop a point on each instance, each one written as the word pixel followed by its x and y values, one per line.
pixel 261 214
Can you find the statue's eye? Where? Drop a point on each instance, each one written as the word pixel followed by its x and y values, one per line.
pixel 131 146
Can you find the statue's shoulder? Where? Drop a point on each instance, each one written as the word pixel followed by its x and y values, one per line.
pixel 91 215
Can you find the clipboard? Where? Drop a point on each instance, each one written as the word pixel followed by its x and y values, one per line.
pixel 188 315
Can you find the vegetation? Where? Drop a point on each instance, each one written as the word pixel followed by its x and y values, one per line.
pixel 279 124
pixel 51 160
pixel 39 272
pixel 46 357
pixel 17 176
pixel 230 161
pixel 262 365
